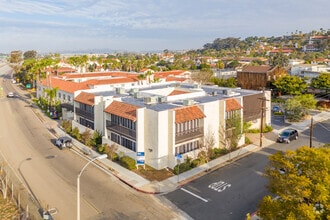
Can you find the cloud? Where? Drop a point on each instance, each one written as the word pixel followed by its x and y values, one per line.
pixel 171 23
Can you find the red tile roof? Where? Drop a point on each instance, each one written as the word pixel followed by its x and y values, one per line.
pixel 188 114
pixel 66 86
pixel 115 80
pixel 175 79
pixel 177 92
pixel 232 104
pixel 169 73
pixel 85 98
pixel 122 109
pixel 96 75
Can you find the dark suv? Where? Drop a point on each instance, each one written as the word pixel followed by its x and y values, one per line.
pixel 287 135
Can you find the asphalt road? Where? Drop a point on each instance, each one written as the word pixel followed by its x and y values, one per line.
pixel 51 174
pixel 236 189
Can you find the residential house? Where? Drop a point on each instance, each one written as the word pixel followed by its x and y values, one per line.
pixel 258 77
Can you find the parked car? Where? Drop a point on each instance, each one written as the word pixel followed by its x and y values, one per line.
pixel 287 135
pixel 10 95
pixel 63 142
pixel 277 109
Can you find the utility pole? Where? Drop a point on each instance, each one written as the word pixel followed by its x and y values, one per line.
pixel 263 99
pixel 311 134
pixel 261 122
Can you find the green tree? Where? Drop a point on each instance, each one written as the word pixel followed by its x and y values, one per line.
pixel 202 76
pixel 30 54
pixel 220 64
pixel 51 96
pixel 322 81
pixel 299 106
pixel 279 59
pixel 300 181
pixel 307 101
pixel 294 109
pixel 291 85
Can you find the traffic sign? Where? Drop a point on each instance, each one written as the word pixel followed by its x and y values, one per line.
pixel 178 156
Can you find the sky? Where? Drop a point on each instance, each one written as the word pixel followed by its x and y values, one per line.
pixel 50 26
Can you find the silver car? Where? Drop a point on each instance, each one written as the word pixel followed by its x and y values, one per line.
pixel 63 142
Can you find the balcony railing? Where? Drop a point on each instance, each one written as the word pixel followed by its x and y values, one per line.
pixel 121 130
pixel 84 114
pixel 189 134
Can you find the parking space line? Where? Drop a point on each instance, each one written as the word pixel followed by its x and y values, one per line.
pixel 193 194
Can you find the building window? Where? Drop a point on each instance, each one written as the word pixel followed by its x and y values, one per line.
pixel 86 123
pixel 188 147
pixel 59 95
pixel 123 122
pixel 123 141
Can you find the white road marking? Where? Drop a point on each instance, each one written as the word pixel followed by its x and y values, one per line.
pixel 219 186
pixel 193 194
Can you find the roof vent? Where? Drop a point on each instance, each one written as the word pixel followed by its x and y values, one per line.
pixel 150 100
pixel 227 91
pixel 188 102
pixel 137 95
pixel 120 90
pixel 162 99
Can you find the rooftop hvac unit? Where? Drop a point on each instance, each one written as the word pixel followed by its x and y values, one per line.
pixel 137 95
pixel 161 99
pixel 187 102
pixel 134 90
pixel 120 90
pixel 227 91
pixel 150 100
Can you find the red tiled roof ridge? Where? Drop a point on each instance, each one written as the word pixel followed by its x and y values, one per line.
pixel 85 98
pixel 188 113
pixel 122 109
pixel 232 104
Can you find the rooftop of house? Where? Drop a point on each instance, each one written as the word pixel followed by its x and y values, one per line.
pixel 257 69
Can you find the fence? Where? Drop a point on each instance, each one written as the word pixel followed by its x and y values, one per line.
pixel 14 188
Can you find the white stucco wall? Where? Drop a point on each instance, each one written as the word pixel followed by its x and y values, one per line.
pixel 157 136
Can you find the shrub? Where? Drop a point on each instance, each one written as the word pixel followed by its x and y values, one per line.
pixel 75 134
pixel 247 140
pixel 216 151
pixel 127 162
pixel 183 167
pixel 254 131
pixel 195 163
pixel 267 129
pixel 66 124
pixel 246 126
pixel 223 151
pixel 86 137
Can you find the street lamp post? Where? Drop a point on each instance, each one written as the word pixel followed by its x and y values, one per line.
pixel 102 156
